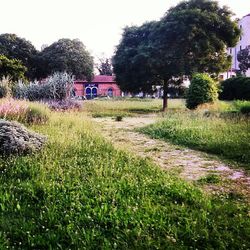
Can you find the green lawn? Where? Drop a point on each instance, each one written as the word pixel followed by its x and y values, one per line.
pixel 128 107
pixel 226 136
pixel 81 193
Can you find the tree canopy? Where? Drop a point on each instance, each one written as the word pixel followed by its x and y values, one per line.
pixel 67 55
pixel 15 47
pixel 191 37
pixel 243 57
pixel 12 68
pixel 105 67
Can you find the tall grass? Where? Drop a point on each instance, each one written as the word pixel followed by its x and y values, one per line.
pixel 229 138
pixel 81 193
pixel 23 111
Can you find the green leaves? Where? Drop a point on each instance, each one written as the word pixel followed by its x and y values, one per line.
pixel 202 89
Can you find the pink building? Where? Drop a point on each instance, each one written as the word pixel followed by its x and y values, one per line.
pixel 101 85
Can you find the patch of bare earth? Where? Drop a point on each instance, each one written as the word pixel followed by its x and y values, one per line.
pixel 189 164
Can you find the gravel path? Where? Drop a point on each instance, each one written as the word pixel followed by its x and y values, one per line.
pixel 190 165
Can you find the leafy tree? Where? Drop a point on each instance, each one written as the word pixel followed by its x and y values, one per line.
pixel 105 67
pixel 191 37
pixel 202 89
pixel 69 56
pixel 243 57
pixel 131 62
pixel 15 47
pixel 12 68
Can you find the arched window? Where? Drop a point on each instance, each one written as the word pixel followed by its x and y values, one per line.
pixel 110 92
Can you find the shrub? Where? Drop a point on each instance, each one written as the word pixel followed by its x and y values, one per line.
pixel 55 87
pixel 4 87
pixel 16 139
pixel 202 89
pixel 237 88
pixel 242 106
pixel 119 118
pixel 63 105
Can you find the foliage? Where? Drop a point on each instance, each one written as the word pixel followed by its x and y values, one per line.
pixel 202 89
pixel 11 68
pixel 243 58
pixel 131 60
pixel 243 106
pixel 105 67
pixel 24 112
pixel 15 47
pixel 16 139
pixel 64 105
pixel 57 87
pixel 69 56
pixel 237 88
pixel 5 89
pixel 81 193
pixel 191 37
pixel 229 138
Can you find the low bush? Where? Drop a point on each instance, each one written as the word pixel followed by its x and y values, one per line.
pixel 16 139
pixel 55 87
pixel 237 88
pixel 202 90
pixel 63 105
pixel 243 106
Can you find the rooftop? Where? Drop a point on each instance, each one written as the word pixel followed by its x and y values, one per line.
pixel 100 79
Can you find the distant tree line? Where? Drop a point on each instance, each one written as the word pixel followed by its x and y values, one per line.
pixel 19 58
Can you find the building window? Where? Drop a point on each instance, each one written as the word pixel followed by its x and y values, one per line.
pixel 230 51
pixel 240 47
pixel 110 92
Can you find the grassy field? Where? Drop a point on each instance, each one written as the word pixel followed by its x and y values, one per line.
pixel 226 136
pixel 81 193
pixel 128 107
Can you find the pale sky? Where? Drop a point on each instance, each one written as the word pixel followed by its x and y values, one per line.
pixel 97 23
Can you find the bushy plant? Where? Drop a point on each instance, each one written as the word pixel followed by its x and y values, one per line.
pixel 237 88
pixel 5 87
pixel 242 106
pixel 56 87
pixel 63 105
pixel 16 139
pixel 202 89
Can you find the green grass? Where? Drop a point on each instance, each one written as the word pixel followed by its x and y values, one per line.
pixel 81 193
pixel 229 138
pixel 128 107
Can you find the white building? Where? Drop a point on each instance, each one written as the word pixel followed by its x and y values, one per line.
pixel 244 25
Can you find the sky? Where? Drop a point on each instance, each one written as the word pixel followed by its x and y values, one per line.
pixel 97 23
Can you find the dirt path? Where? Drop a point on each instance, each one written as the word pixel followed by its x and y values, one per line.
pixel 191 165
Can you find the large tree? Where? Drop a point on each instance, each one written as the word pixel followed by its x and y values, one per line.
pixel 67 55
pixel 191 37
pixel 12 68
pixel 15 47
pixel 243 57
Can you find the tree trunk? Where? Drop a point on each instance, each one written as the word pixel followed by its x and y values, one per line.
pixel 165 95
